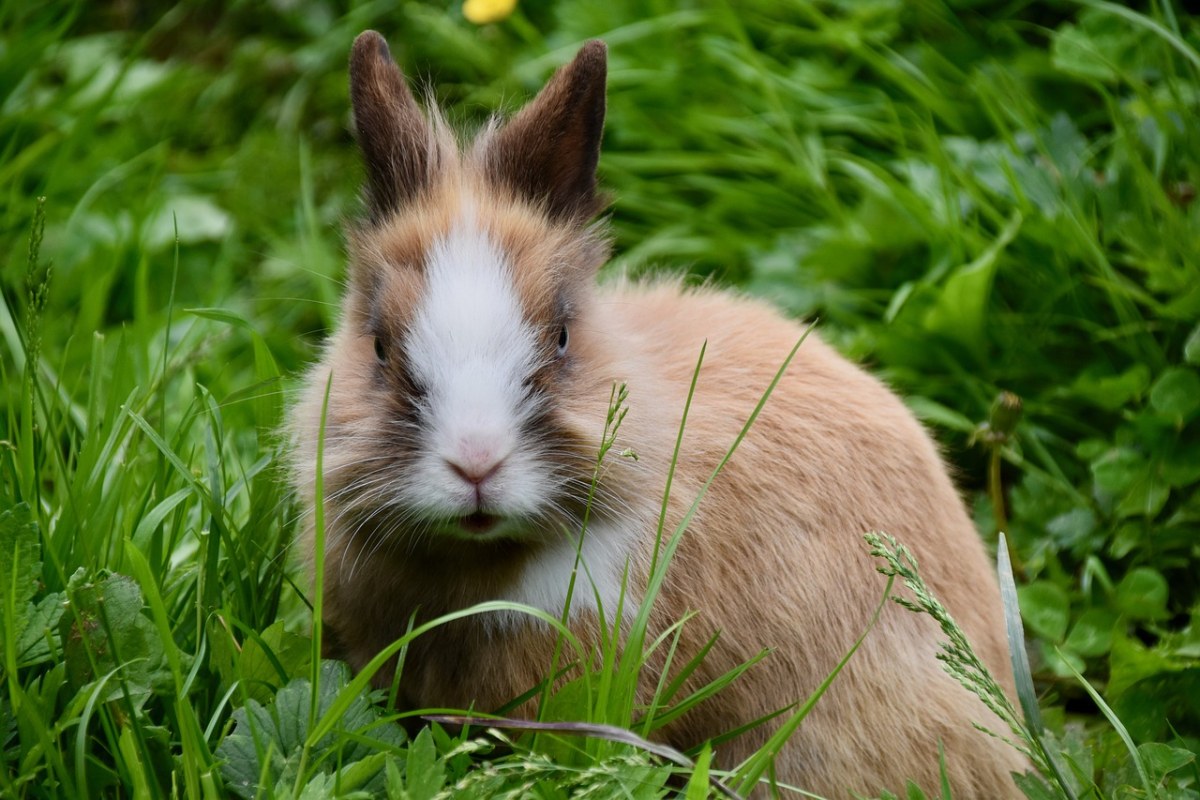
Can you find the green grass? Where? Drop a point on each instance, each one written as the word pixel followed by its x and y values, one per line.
pixel 974 197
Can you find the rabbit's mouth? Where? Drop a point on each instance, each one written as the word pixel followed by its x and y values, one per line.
pixel 478 523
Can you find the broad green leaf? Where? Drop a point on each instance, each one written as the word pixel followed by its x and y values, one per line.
pixel 1142 594
pixel 253 741
pixel 961 309
pixel 20 563
pixel 1075 53
pixel 1091 449
pixel 1125 477
pixel 1146 497
pixel 1101 46
pixel 1073 529
pixel 1092 633
pixel 1176 393
pixel 268 740
pixel 424 774
pixel 1100 387
pixel 1180 466
pixel 195 217
pixel 1062 663
pixel 1185 643
pixel 320 787
pixel 1132 662
pixel 263 656
pixel 1162 759
pixel 393 778
pixel 1191 348
pixel 638 781
pixel 1129 536
pixel 1117 470
pixel 105 629
pixel 1147 708
pixel 1046 608
pixel 41 624
pixel 357 774
pixel 1034 787
pixel 1073 754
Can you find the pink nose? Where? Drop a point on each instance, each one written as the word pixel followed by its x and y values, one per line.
pixel 476 468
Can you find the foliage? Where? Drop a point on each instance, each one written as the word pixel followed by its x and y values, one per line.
pixel 975 197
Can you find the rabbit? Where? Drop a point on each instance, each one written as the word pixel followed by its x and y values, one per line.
pixel 468 384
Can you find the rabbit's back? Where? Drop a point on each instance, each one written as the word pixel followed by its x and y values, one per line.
pixel 775 557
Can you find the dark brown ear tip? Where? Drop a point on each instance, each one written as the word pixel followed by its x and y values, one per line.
pixel 368 43
pixel 594 52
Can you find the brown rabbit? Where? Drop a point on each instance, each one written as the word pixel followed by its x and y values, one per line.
pixel 469 381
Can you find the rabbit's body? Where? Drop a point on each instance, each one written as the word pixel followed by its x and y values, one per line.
pixel 471 379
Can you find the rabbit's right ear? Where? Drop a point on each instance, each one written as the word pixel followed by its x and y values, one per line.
pixel 395 138
pixel 548 152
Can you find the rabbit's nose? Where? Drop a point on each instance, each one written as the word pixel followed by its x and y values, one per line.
pixel 475 474
pixel 475 465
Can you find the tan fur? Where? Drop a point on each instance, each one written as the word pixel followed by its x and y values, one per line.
pixel 541 251
pixel 774 559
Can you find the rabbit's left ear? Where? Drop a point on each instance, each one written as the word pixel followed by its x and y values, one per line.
pixel 548 152
pixel 397 142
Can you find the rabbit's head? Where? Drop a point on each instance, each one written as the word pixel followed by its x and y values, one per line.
pixel 469 382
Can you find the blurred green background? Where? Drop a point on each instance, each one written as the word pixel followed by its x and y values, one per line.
pixel 973 196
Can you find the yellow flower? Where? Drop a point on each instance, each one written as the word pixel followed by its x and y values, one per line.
pixel 481 12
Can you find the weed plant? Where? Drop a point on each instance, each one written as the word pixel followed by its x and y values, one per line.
pixel 991 203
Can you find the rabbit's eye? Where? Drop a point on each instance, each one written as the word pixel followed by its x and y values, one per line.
pixel 562 340
pixel 380 353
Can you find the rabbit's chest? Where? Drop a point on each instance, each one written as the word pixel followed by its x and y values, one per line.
pixel 490 656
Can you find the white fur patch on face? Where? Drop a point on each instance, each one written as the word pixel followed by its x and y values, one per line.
pixel 473 349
